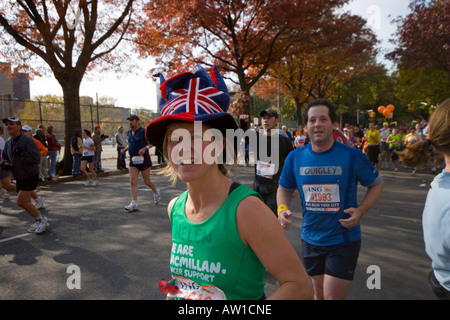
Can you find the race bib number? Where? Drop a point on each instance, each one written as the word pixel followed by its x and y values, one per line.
pixel 265 169
pixel 137 159
pixel 322 197
pixel 190 290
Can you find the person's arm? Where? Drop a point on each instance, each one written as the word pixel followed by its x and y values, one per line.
pixel 260 230
pixel 284 197
pixel 143 150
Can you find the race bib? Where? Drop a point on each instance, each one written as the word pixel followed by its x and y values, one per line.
pixel 265 169
pixel 190 290
pixel 322 198
pixel 137 160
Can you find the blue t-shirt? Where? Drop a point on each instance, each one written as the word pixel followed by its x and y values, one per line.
pixel 436 227
pixel 136 141
pixel 328 183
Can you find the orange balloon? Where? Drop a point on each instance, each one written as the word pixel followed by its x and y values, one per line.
pixel 391 108
pixel 381 109
pixel 386 113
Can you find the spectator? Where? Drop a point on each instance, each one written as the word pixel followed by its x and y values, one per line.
pixel 76 143
pixel 98 137
pixel 43 164
pixel 121 145
pixel 53 149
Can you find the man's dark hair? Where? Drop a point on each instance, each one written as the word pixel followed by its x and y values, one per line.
pixel 321 102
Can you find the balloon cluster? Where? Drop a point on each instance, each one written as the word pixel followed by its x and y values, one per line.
pixel 386 111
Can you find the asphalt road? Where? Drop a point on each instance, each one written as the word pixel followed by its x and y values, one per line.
pixel 123 256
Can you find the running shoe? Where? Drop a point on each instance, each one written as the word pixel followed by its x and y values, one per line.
pixel 45 220
pixel 3 192
pixel 94 183
pixel 156 197
pixel 88 183
pixel 38 227
pixel 39 202
pixel 131 207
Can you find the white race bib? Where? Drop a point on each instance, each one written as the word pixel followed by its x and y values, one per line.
pixel 322 197
pixel 190 290
pixel 137 159
pixel 265 169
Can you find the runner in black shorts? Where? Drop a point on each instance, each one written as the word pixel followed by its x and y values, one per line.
pixel 140 161
pixel 21 155
pixel 327 173
pixel 27 184
pixel 338 261
pixel 146 162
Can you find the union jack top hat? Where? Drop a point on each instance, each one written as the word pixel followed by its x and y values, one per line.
pixel 188 97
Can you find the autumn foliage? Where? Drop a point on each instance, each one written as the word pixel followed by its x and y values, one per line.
pixel 67 37
pixel 243 37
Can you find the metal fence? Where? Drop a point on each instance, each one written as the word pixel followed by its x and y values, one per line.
pixel 34 113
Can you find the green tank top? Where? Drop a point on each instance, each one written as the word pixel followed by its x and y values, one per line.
pixel 211 253
pixel 397 143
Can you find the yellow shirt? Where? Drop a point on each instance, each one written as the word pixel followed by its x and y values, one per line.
pixel 373 137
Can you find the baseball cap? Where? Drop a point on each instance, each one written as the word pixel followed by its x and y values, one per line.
pixel 26 128
pixel 133 117
pixel 271 112
pixel 385 124
pixel 13 119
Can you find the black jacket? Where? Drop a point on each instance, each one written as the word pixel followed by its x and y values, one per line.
pixel 23 153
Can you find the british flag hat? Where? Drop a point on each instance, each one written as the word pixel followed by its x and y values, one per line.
pixel 188 97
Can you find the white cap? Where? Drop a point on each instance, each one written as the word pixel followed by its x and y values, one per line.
pixel 26 128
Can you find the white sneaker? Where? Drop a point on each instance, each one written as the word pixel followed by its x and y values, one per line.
pixel 156 197
pixel 38 227
pixel 133 206
pixel 45 220
pixel 94 183
pixel 39 202
pixel 88 183
pixel 3 192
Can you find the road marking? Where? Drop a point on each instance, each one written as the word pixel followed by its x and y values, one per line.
pixel 15 237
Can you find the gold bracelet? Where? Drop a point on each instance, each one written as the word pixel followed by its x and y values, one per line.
pixel 281 208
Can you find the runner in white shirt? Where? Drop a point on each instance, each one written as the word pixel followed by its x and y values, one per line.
pixel 88 158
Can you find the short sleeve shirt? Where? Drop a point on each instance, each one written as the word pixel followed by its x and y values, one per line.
pixel 327 183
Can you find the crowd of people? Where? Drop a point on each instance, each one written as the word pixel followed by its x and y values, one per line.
pixel 381 144
pixel 28 159
pixel 239 231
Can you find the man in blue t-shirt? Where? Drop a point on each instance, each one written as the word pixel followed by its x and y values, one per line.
pixel 326 174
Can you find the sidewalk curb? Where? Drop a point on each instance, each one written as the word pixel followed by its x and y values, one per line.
pixel 106 173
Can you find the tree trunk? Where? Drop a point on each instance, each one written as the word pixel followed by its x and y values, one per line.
pixel 298 111
pixel 72 118
pixel 247 104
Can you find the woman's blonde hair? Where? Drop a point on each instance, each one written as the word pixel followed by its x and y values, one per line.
pixel 417 154
pixel 169 172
